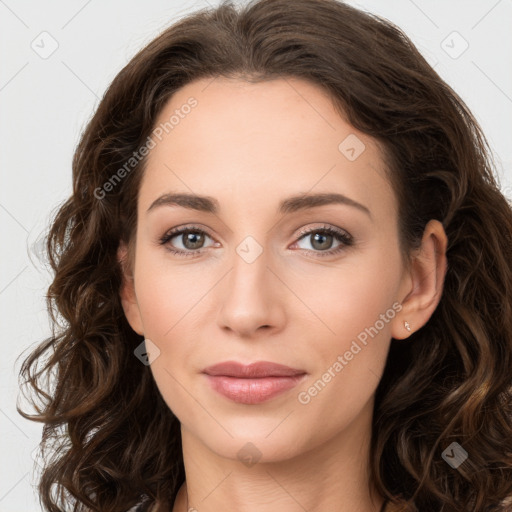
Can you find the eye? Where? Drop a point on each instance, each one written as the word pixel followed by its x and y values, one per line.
pixel 192 239
pixel 323 239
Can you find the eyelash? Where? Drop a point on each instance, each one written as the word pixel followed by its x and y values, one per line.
pixel 345 239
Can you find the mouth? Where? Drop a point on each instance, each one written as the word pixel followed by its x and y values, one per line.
pixel 254 383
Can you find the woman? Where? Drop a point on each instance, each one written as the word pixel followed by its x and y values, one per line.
pixel 286 278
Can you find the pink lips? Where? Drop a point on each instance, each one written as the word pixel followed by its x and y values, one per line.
pixel 254 383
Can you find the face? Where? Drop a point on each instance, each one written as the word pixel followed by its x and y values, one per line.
pixel 314 285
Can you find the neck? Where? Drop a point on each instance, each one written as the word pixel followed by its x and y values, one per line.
pixel 331 476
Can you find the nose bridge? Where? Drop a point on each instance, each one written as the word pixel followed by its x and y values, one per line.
pixel 255 232
pixel 250 262
pixel 249 299
pixel 251 253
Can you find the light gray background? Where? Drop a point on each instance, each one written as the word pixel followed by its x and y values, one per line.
pixel 46 102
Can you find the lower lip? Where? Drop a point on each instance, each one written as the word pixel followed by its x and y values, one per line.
pixel 252 391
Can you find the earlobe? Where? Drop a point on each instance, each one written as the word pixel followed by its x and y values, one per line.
pixel 127 292
pixel 424 284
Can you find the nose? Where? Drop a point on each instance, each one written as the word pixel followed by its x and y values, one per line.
pixel 253 298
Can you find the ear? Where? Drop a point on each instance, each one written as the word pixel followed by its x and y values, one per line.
pixel 127 291
pixel 423 284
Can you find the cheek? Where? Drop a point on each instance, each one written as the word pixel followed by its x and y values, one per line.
pixel 336 302
pixel 345 301
pixel 349 361
pixel 356 309
pixel 168 295
pixel 166 302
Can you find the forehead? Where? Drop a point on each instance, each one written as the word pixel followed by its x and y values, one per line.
pixel 260 140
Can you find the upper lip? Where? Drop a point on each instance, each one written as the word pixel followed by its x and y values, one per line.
pixel 255 370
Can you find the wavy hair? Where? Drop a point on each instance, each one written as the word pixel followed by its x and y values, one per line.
pixel 112 437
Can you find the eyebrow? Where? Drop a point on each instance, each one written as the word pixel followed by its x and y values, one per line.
pixel 292 204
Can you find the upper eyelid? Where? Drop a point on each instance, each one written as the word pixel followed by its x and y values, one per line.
pixel 306 231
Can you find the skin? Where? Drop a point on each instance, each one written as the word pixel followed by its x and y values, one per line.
pixel 251 146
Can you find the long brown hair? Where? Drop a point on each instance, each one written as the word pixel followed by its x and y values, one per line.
pixel 112 438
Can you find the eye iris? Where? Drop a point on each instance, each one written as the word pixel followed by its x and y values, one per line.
pixel 316 236
pixel 192 236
